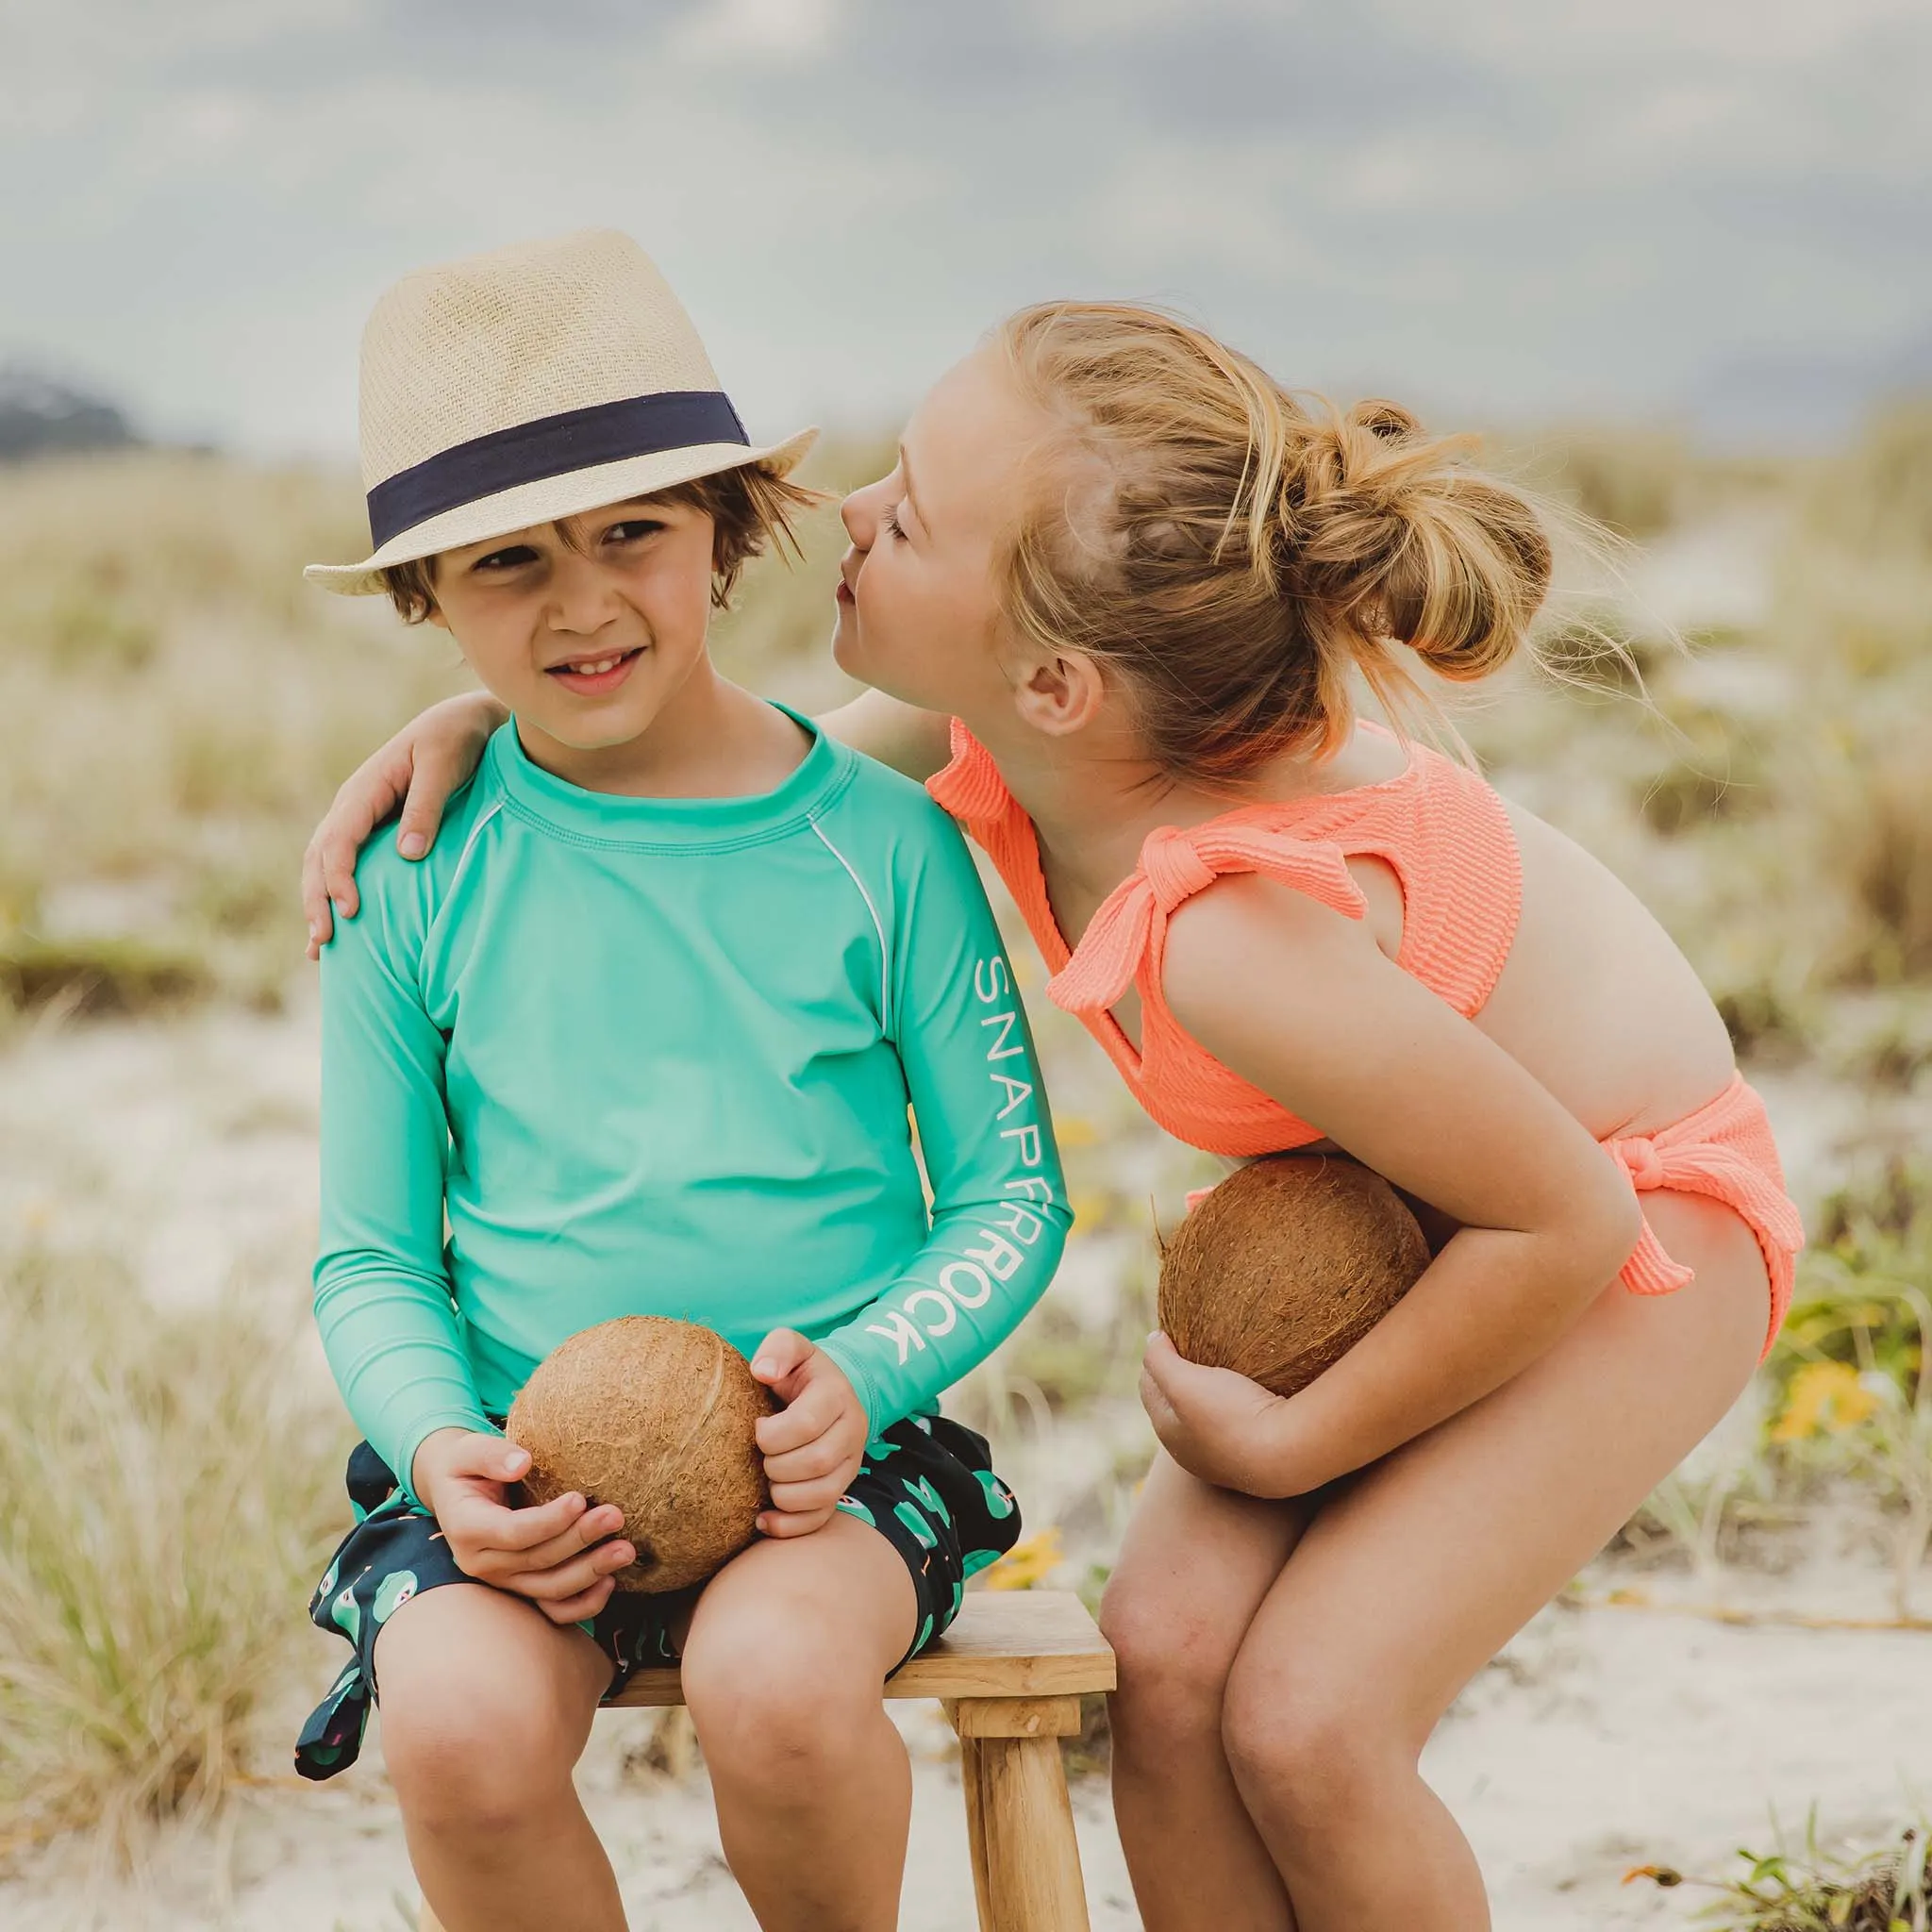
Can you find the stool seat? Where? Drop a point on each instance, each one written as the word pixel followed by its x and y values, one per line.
pixel 1003 1643
pixel 1010 1672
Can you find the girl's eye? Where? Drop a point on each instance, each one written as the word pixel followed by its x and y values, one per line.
pixel 890 517
pixel 514 557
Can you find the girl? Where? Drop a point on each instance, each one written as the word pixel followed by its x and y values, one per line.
pixel 1140 580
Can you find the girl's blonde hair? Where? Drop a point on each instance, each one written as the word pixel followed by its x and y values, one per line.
pixel 1234 556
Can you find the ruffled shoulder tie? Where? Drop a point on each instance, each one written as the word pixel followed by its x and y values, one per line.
pixel 1174 865
pixel 971 787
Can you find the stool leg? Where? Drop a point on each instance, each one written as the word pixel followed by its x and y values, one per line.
pixel 1032 1857
pixel 974 1786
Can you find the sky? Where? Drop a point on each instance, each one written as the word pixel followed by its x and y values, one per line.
pixel 1498 210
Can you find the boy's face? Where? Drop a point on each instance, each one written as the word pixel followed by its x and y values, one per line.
pixel 585 639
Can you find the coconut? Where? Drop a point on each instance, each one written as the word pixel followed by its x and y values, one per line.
pixel 1286 1266
pixel 657 1417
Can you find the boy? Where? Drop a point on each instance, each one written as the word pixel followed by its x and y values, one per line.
pixel 644 1027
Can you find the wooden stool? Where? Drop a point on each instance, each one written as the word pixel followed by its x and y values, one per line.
pixel 1011 1673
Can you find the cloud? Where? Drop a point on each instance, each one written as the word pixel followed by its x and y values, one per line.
pixel 1507 206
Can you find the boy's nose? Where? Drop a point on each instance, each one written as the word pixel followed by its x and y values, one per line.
pixel 582 599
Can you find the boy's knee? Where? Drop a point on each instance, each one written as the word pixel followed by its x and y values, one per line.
pixel 466 1758
pixel 774 1705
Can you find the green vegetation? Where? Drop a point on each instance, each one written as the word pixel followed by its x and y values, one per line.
pixel 171 1488
pixel 1878 1889
pixel 183 708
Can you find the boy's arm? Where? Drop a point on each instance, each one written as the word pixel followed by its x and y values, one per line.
pixel 999 1210
pixel 382 1294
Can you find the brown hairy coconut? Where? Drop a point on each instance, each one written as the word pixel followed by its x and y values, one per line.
pixel 1286 1266
pixel 657 1417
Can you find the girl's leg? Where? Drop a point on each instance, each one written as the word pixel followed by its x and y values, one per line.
pixel 788 1650
pixel 1194 1567
pixel 1407 1585
pixel 486 1705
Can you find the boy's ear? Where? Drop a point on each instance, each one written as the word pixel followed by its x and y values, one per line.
pixel 434 615
pixel 1061 694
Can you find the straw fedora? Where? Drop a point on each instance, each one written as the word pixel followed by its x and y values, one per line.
pixel 532 383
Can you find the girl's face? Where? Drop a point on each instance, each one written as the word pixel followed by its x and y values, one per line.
pixel 588 641
pixel 918 607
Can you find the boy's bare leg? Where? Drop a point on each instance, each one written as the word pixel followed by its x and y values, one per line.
pixel 783 1665
pixel 486 1705
pixel 1196 1564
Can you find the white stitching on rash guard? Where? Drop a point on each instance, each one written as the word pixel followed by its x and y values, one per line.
pixel 885 956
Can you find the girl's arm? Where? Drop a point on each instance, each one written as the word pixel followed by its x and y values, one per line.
pixel 910 740
pixel 1302 1002
pixel 435 753
pixel 431 756
pixel 999 1204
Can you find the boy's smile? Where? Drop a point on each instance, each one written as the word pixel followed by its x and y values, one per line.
pixel 592 677
pixel 589 630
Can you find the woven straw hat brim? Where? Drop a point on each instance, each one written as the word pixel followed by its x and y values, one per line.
pixel 551 498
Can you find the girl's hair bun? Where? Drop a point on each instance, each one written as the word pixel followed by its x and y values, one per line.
pixel 1388 535
pixel 1237 554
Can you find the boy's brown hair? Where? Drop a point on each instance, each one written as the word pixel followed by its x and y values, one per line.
pixel 751 508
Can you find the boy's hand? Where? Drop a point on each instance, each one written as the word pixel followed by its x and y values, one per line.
pixel 418 767
pixel 1218 1425
pixel 544 1553
pixel 814 1445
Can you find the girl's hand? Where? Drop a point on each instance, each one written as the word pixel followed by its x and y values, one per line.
pixel 558 1553
pixel 814 1445
pixel 1218 1425
pixel 419 768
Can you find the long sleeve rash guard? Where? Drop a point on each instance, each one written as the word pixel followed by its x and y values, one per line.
pixel 601 1056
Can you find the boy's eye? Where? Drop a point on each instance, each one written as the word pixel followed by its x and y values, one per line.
pixel 632 530
pixel 512 557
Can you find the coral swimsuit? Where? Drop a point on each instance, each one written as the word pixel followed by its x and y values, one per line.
pixel 1445 835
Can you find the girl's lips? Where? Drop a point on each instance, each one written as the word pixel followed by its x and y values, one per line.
pixel 594 685
pixel 843 593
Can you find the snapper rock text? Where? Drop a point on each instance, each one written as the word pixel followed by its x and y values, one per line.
pixel 968 1281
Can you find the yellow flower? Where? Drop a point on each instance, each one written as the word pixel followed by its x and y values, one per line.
pixel 1090 1211
pixel 1027 1563
pixel 1074 1130
pixel 1824 1398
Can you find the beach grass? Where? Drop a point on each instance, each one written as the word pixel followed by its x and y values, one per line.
pixel 170 1493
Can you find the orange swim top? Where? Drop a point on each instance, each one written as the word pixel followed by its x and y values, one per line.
pixel 1444 834
pixel 1437 825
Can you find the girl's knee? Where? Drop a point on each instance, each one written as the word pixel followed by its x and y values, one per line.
pixel 1172 1652
pixel 1308 1745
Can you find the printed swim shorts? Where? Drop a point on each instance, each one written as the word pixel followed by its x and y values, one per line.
pixel 926 1486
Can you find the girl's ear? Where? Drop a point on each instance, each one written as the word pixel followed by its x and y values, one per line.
pixel 1061 696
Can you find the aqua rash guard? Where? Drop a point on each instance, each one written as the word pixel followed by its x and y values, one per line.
pixel 653 1057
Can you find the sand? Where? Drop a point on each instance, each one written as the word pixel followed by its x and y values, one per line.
pixel 1604 1737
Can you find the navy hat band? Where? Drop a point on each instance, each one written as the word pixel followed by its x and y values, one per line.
pixel 550 446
